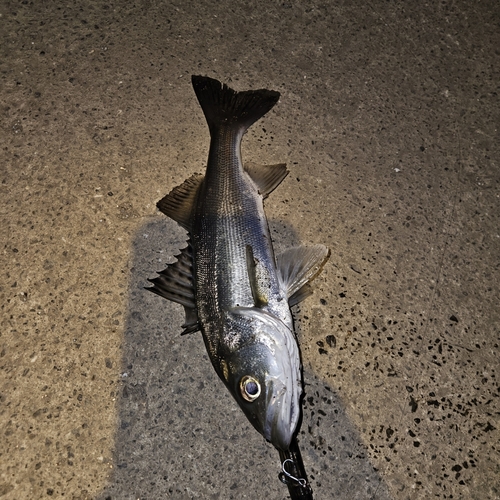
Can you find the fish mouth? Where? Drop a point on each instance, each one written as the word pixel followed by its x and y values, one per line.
pixel 282 415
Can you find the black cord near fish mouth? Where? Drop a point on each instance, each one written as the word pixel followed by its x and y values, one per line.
pixel 293 473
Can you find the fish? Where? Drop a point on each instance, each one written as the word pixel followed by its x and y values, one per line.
pixel 233 287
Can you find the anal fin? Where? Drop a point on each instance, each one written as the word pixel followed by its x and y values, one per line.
pixel 175 283
pixel 266 177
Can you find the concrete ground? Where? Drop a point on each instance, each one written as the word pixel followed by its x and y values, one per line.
pixel 388 121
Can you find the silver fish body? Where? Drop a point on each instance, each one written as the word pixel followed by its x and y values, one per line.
pixel 229 281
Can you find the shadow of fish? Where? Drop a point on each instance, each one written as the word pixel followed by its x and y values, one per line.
pixel 232 286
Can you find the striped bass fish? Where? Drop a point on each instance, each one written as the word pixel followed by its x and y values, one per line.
pixel 232 286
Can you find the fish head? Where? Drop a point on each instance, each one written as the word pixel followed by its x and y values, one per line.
pixel 261 368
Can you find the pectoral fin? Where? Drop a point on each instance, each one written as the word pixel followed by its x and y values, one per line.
pixel 176 283
pixel 260 282
pixel 267 177
pixel 297 266
pixel 179 203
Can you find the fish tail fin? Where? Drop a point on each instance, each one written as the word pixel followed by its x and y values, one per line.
pixel 224 106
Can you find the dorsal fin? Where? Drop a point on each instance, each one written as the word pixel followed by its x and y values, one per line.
pixel 175 283
pixel 267 177
pixel 297 266
pixel 258 276
pixel 179 203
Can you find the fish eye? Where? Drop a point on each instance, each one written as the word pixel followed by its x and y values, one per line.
pixel 249 388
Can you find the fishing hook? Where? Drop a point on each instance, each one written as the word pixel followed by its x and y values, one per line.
pixel 284 473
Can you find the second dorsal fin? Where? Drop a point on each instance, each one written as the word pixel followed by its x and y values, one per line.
pixel 179 203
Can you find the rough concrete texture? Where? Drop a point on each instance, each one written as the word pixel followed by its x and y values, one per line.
pixel 388 121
